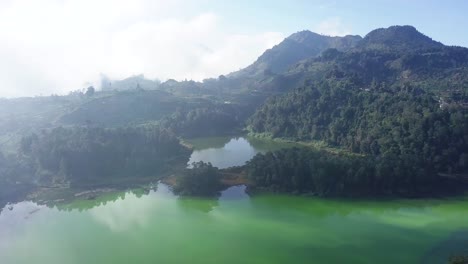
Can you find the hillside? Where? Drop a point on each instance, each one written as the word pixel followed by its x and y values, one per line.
pixel 299 46
pixel 130 83
pixel 398 96
pixel 390 57
pixel 394 97
pixel 402 38
pixel 123 108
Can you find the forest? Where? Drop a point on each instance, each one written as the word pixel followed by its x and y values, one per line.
pixel 394 102
pixel 92 155
pixel 404 123
pixel 322 173
pixel 202 179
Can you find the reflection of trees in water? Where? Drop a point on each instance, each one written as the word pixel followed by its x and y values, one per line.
pixel 94 199
pixel 204 205
pixel 209 142
pixel 13 193
pixel 2 205
pixel 455 245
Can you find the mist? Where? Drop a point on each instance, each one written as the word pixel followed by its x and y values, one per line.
pixel 53 47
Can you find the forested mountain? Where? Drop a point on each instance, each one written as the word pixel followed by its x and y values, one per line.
pixel 392 56
pixel 401 38
pixel 123 108
pixel 397 96
pixel 398 121
pixel 299 46
pixel 393 97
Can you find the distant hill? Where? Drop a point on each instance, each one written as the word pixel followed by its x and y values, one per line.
pixel 403 38
pixel 130 83
pixel 393 56
pixel 123 108
pixel 299 46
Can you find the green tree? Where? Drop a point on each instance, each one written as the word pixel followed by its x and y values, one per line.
pixel 201 180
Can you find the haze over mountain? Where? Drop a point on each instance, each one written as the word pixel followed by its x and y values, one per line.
pixel 398 38
pixel 299 46
pixel 163 121
pixel 179 40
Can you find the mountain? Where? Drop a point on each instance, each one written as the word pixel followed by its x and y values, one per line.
pixel 123 108
pixel 398 38
pixel 394 56
pixel 299 46
pixel 397 97
pixel 130 83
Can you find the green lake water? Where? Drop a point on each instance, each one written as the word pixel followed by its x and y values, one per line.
pixel 159 227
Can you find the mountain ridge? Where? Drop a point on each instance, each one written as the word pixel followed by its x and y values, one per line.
pixel 398 38
pixel 298 46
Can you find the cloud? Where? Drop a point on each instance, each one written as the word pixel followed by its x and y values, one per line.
pixel 54 46
pixel 332 26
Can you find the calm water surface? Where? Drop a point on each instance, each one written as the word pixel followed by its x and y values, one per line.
pixel 224 152
pixel 158 227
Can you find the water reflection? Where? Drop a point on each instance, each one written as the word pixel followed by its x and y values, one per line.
pixel 234 153
pixel 275 228
pixel 227 152
pixel 124 214
pixel 132 210
pixel 204 205
pixel 455 244
pixel 234 193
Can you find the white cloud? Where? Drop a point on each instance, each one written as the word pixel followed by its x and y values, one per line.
pixel 54 46
pixel 332 26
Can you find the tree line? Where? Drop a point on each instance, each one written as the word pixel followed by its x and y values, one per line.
pixel 322 173
pixel 91 154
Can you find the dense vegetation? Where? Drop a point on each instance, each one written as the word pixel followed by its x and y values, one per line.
pixel 397 98
pixel 403 128
pixel 304 170
pixel 298 46
pixel 201 180
pixel 86 155
pixel 442 69
pixel 15 179
pixel 404 122
pixel 394 97
pixel 123 109
pixel 224 119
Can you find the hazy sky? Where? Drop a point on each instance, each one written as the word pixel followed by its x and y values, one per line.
pixel 54 46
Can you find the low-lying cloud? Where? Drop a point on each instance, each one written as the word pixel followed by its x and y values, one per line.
pixel 55 46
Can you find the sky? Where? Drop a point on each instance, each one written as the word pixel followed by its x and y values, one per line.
pixel 56 46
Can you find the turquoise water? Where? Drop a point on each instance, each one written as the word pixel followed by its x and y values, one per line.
pixel 158 227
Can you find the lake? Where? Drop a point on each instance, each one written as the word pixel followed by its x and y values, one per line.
pixel 158 227
pixel 224 152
